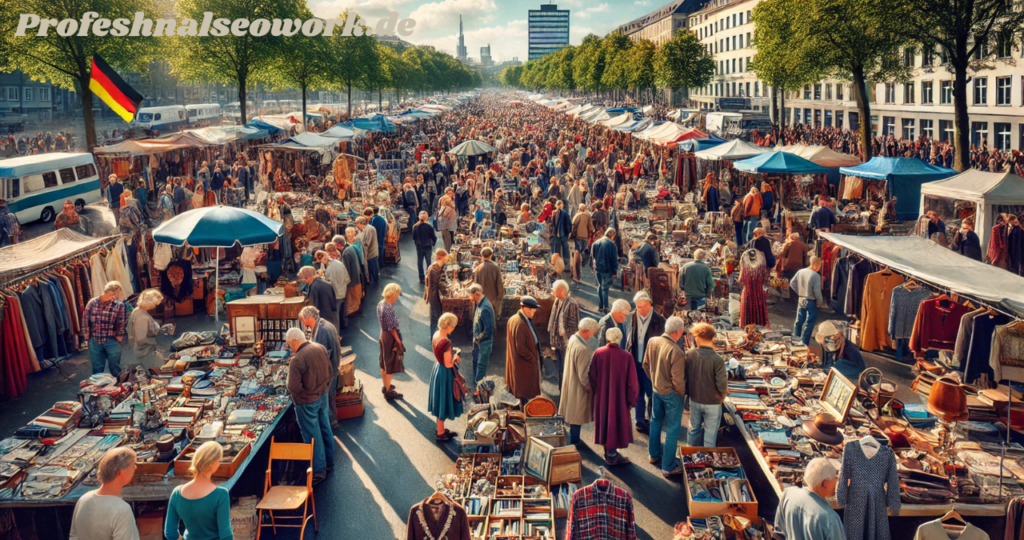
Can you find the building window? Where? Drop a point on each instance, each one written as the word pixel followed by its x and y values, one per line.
pixel 946 93
pixel 1003 133
pixel 981 52
pixel 757 88
pixel 927 96
pixel 748 15
pixel 981 91
pixel 979 133
pixel 908 93
pixel 817 91
pixel 1005 49
pixel 807 91
pixel 839 92
pixel 908 128
pixel 888 125
pixel 1003 87
pixel 926 129
pixel 926 55
pixel 807 116
pixel 28 94
pixel 839 119
pixel 741 40
pixel 44 94
pixel 733 65
pixel 828 92
pixel 12 94
pixel 828 118
pixel 748 90
pixel 908 56
pixel 945 130
pixel 890 93
pixel 734 42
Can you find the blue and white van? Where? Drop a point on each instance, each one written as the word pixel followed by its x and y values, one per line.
pixel 36 187
pixel 204 112
pixel 161 119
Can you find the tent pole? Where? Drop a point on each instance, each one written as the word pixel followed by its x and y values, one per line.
pixel 216 292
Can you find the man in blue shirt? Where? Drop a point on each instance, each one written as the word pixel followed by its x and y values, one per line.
pixel 114 191
pixel 483 332
pixel 380 225
pixel 560 228
pixel 606 265
pixel 822 219
pixel 804 512
pixel 646 253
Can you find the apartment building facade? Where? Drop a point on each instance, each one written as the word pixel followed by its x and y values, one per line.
pixel 661 24
pixel 726 29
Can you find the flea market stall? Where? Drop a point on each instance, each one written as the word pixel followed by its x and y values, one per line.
pixel 884 178
pixel 795 180
pixel 985 195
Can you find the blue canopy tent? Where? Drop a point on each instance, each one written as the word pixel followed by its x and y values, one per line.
pixel 779 163
pixel 903 177
pixel 696 145
pixel 374 122
pixel 269 128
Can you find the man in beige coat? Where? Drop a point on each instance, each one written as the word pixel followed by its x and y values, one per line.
pixel 576 401
pixel 488 275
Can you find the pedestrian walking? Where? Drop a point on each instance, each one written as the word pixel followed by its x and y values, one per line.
pixel 105 321
pixel 392 349
pixel 368 239
pixel 562 324
pixel 696 281
pixel 575 401
pixel 794 256
pixel 614 384
pixel 483 332
pixel 425 238
pixel 645 324
pixel 441 400
pixel 114 191
pixel 309 379
pixel 204 508
pixel 665 365
pixel 102 514
pixel 806 283
pixel 606 265
pixel 436 287
pixel 707 385
pixel 804 512
pixel 523 352
pixel 489 276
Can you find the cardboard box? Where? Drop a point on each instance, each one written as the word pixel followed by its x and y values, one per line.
pixel 152 468
pixel 226 470
pixel 351 411
pixel 702 509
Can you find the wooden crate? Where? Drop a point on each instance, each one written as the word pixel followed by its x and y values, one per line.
pixel 226 470
pixel 702 509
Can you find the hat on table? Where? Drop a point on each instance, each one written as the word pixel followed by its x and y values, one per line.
pixel 823 428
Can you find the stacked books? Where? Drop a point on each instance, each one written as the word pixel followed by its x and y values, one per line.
pixel 181 417
pixel 61 418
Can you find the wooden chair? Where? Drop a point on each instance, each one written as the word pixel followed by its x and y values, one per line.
pixel 284 498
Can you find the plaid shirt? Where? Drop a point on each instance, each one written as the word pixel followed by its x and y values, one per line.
pixel 386 316
pixel 601 511
pixel 104 320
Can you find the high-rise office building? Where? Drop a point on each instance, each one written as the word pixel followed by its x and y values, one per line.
pixel 460 49
pixel 485 56
pixel 549 30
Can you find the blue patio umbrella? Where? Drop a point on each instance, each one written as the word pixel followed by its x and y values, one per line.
pixel 217 227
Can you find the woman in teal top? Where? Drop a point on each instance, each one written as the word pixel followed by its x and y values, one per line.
pixel 204 508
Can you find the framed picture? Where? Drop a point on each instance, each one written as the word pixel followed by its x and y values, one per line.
pixel 538 458
pixel 245 329
pixel 837 396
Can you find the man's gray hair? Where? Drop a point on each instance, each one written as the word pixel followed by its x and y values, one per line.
pixel 309 312
pixel 306 272
pixel 294 334
pixel 818 471
pixel 560 284
pixel 589 324
pixel 361 220
pixel 112 286
pixel 674 324
pixel 476 289
pixel 113 462
pixel 351 230
pixel 621 306
pixel 700 254
pixel 424 215
pixel 339 239
pixel 610 232
pixel 613 335
pixel 641 296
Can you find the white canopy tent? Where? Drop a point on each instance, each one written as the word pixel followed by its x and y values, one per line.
pixel 939 266
pixel 991 193
pixel 733 150
pixel 615 121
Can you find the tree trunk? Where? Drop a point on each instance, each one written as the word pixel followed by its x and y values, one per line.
pixel 349 86
pixel 775 106
pixel 961 121
pixel 241 100
pixel 302 87
pixel 90 125
pixel 782 108
pixel 860 94
pixel 380 99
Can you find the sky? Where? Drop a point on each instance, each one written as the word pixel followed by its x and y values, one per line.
pixel 502 23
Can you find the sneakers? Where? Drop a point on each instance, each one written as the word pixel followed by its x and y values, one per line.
pixel 674 472
pixel 617 459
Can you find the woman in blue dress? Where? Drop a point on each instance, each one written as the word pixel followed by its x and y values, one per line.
pixel 441 401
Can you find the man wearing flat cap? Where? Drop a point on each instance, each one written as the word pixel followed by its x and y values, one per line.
pixel 523 354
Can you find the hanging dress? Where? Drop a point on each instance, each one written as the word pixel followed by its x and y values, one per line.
pixel 754 278
pixel 868 488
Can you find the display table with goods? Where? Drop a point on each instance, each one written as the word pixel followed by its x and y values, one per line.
pixel 208 390
pixel 790 409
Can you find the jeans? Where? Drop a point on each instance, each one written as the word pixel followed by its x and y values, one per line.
pixel 560 246
pixel 901 347
pixel 560 366
pixel 316 427
pixel 332 410
pixel 574 433
pixel 604 284
pixel 422 260
pixel 697 302
pixel 749 224
pixel 710 416
pixel 668 413
pixel 581 246
pixel 342 319
pixel 102 354
pixel 643 397
pixel 481 356
pixel 739 233
pixel 374 270
pixel 806 315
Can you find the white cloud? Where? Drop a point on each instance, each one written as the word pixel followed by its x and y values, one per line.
pixel 369 10
pixel 642 3
pixel 587 13
pixel 435 17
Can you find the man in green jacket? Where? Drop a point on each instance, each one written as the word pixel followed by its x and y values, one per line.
pixel 696 280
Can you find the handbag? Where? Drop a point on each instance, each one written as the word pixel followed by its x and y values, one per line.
pixel 460 388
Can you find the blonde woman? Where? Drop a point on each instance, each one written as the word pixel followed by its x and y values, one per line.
pixel 441 401
pixel 391 347
pixel 200 505
pixel 142 329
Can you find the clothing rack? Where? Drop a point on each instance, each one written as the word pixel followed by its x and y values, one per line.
pixel 20 274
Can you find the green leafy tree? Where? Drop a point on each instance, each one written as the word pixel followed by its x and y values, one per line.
pixel 780 61
pixel 682 62
pixel 510 76
pixel 353 57
pixel 640 61
pixel 968 33
pixel 229 59
pixel 615 48
pixel 66 62
pixel 588 64
pixel 301 62
pixel 560 71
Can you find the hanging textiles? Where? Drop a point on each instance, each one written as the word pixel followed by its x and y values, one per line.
pixel 601 511
pixel 936 325
pixel 1007 357
pixel 979 348
pixel 903 309
pixel 874 313
pixel 754 278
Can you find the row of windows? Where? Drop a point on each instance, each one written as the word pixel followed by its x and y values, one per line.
pixel 547 36
pixel 733 89
pixel 979 92
pixel 737 19
pixel 726 67
pixel 549 24
pixel 729 44
pixel 29 93
pixel 1000 136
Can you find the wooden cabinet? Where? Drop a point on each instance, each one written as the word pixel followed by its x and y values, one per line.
pixel 265 307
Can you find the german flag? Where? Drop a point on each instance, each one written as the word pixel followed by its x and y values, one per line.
pixel 111 88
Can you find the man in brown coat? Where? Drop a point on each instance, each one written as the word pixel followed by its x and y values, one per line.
pixel 437 286
pixel 309 379
pixel 794 256
pixel 488 275
pixel 582 228
pixel 522 353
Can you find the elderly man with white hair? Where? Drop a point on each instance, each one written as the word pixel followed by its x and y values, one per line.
pixel 614 384
pixel 665 365
pixel 352 258
pixel 320 294
pixel 645 324
pixel 368 239
pixel 309 382
pixel 323 332
pixel 804 512
pixel 617 318
pixel 575 402
pixel 696 280
pixel 564 320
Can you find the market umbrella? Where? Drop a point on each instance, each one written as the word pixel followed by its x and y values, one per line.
pixel 217 227
pixel 472 148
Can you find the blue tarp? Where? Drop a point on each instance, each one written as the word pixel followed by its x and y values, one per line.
pixel 620 110
pixel 271 129
pixel 904 176
pixel 376 122
pixel 779 163
pixel 696 145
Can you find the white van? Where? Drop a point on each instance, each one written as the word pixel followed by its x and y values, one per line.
pixel 37 186
pixel 233 110
pixel 269 106
pixel 205 112
pixel 161 119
